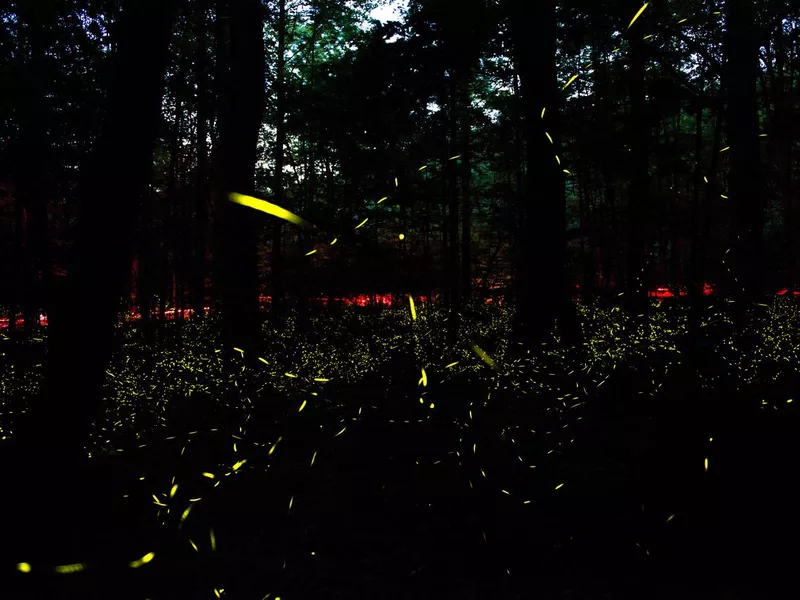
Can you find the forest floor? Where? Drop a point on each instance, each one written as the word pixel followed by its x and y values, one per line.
pixel 338 469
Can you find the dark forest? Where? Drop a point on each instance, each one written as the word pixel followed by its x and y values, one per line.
pixel 399 298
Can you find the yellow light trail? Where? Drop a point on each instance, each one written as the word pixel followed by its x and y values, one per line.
pixel 142 561
pixel 573 78
pixel 483 356
pixel 638 14
pixel 74 568
pixel 269 208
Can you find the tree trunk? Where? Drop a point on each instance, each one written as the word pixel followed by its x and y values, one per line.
pixel 639 182
pixel 278 288
pixel 695 271
pixel 466 203
pixel 145 284
pixel 515 250
pixel 741 49
pixel 241 98
pixel 201 180
pixel 445 279
pixel 452 197
pixel 171 248
pixel 604 107
pixel 58 423
pixel 543 295
pixel 19 266
pixel 34 158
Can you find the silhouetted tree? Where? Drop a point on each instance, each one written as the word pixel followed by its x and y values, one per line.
pixel 541 279
pixel 745 184
pixel 241 110
pixel 86 308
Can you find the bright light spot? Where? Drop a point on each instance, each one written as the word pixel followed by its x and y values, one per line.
pixel 391 11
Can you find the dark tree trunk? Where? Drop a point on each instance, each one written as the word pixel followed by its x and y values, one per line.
pixel 787 189
pixel 147 271
pixel 695 271
pixel 171 246
pixel 741 49
pixel 278 288
pixel 198 288
pixel 701 231
pixel 604 109
pixel 34 158
pixel 452 197
pixel 443 205
pixel 19 262
pixel 515 250
pixel 85 311
pixel 543 241
pixel 466 203
pixel 639 182
pixel 241 98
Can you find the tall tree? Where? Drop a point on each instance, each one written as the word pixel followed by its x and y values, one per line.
pixel 85 310
pixel 639 125
pixel 466 191
pixel 454 282
pixel 34 153
pixel 278 289
pixel 745 186
pixel 241 110
pixel 201 174
pixel 543 296
pixel 604 110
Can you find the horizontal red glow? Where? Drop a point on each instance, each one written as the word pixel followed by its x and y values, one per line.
pixel 665 292
pixel 172 314
pixel 358 300
pixel 787 292
pixel 20 322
